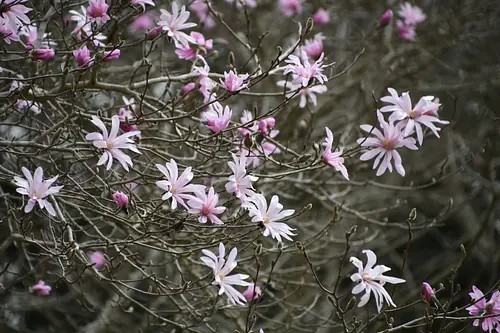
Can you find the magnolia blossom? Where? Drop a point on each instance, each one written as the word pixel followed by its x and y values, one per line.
pixel 175 22
pixel 334 158
pixel 200 8
pixel 112 143
pixel 143 3
pixel 97 259
pixel 31 34
pixel 233 82
pixel 41 288
pixel 413 117
pixel 290 7
pixel 406 32
pixel 190 52
pixel 253 292
pixel 481 307
pixel 303 71
pixel 43 54
pixel 7 35
pixel 83 29
pixel 216 117
pixel 111 55
pixel 97 11
pixel 205 84
pixel 14 15
pixel 35 107
pixel 125 115
pixel 240 3
pixel 412 15
pixel 37 189
pixel 321 17
pixel 239 182
pixel 314 47
pixel 266 126
pixel 386 18
pixel 175 186
pixel 82 57
pixel 120 198
pixel 221 269
pixel 259 211
pixel 384 145
pixel 305 93
pixel 370 279
pixel 428 292
pixel 206 205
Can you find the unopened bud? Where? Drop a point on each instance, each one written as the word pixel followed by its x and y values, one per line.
pixel 43 54
pixel 386 18
pixel 120 198
pixel 428 292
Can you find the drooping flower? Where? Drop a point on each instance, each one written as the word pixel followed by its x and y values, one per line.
pixel 370 279
pixel 143 3
pixel 120 198
pixel 216 117
pixel 481 307
pixel 175 22
pixel 97 11
pixel 412 15
pixel 43 54
pixel 259 211
pixel 385 144
pixel 303 71
pixel 253 292
pixel 290 7
pixel 386 18
pixel 305 93
pixel 428 292
pixel 221 269
pixel 97 258
pixel 321 17
pixel 112 143
pixel 314 47
pixel 240 183
pixel 175 186
pixel 37 189
pixel 82 57
pixel 206 205
pixel 334 158
pixel 233 82
pixel 41 288
pixel 13 15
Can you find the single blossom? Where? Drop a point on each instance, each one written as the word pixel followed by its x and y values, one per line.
pixel 314 47
pixel 412 118
pixel 411 15
pixel 37 189
pixel 175 22
pixel 41 288
pixel 321 17
pixel 126 115
pixel 428 292
pixel 83 29
pixel 385 144
pixel 175 186
pixel 43 54
pixel 406 32
pixel 30 32
pixel 206 205
pixel 111 55
pixel 305 93
pixel 13 15
pixel 253 292
pixel 266 126
pixel 221 269
pixel 205 84
pixel 303 71
pixel 97 11
pixel 143 3
pixel 216 117
pixel 113 143
pixel 290 7
pixel 334 159
pixel 232 82
pixel 386 18
pixel 240 183
pixel 82 57
pixel 120 198
pixel 97 259
pixel 481 307
pixel 370 279
pixel 259 211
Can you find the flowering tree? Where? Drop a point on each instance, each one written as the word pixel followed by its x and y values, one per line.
pixel 160 174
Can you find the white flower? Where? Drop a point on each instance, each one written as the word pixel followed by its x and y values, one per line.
pixel 221 269
pixel 260 212
pixel 175 22
pixel 239 182
pixel 112 143
pixel 37 189
pixel 371 279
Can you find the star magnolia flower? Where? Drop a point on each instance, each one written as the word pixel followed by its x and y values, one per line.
pixel 384 145
pixel 314 47
pixel 7 35
pixel 120 198
pixel 371 280
pixel 217 118
pixel 334 158
pixel 239 5
pixel 221 269
pixel 246 119
pixel 428 292
pixel 308 93
pixel 41 289
pixel 112 143
pixel 303 71
pixel 143 3
pixel 175 22
pixel 253 292
pixel 97 11
pixel 177 187
pixel 233 82
pixel 31 34
pixel 239 182
pixel 206 206
pixel 260 212
pixel 205 84
pixel 412 15
pixel 413 118
pixel 13 15
pixel 290 7
pixel 82 57
pixel 190 52
pixel 37 189
pixel 483 308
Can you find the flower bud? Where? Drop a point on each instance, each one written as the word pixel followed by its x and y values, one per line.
pixel 253 292
pixel 427 291
pixel 321 17
pixel 120 198
pixel 111 55
pixel 188 88
pixel 97 258
pixel 41 288
pixel 43 54
pixel 386 18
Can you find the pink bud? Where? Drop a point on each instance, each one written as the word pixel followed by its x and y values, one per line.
pixel 266 124
pixel 153 33
pixel 428 292
pixel 187 88
pixel 253 292
pixel 120 198
pixel 41 288
pixel 386 18
pixel 111 55
pixel 321 17
pixel 97 258
pixel 43 54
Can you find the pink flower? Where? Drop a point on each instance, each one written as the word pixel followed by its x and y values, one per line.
pixel 239 182
pixel 206 206
pixel 177 187
pixel 37 189
pixel 186 52
pixel 266 125
pixel 153 33
pixel 253 292
pixel 428 292
pixel 307 93
pixel 41 289
pixel 192 52
pixel 143 3
pixel 384 145
pixel 111 55
pixel 82 57
pixel 481 307
pixel 112 143
pixel 246 119
pixel 221 269
pixel 302 71
pixel 334 158
pixel 321 17
pixel 259 211
pixel 314 47
pixel 412 118
pixel 233 82
pixel 14 15
pixel 97 11
pixel 141 22
pixel 8 35
pixel 239 5
pixel 386 18
pixel 217 118
pixel 175 22
pixel 290 7
pixel 120 198
pixel 97 258
pixel 43 54
pixel 188 88
pixel 412 15
pixel 200 8
pixel 31 34
pixel 406 32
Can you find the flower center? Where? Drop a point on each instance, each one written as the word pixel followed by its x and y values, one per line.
pixel 388 144
pixel 205 210
pixel 109 145
pixel 266 220
pixel 221 276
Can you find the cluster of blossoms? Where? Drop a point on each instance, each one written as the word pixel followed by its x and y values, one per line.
pixel 410 17
pixel 488 309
